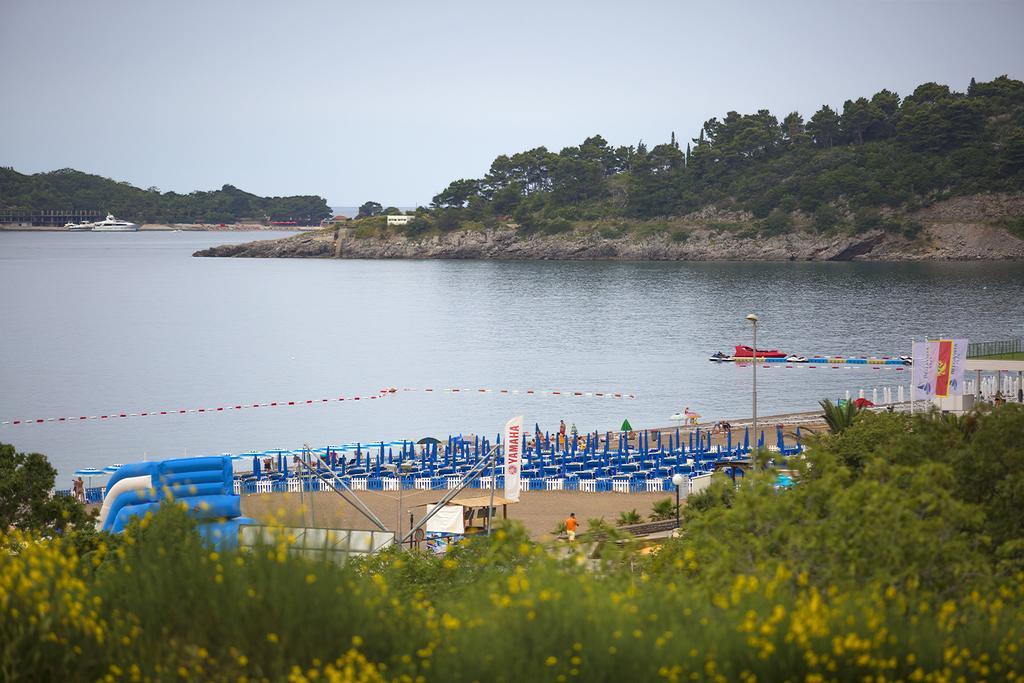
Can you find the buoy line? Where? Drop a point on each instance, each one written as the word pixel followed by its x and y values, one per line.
pixel 383 393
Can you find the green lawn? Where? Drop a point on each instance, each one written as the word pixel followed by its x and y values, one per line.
pixel 1001 356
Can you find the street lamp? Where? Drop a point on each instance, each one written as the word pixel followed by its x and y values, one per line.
pixel 753 454
pixel 678 480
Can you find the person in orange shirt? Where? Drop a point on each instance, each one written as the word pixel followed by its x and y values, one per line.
pixel 570 526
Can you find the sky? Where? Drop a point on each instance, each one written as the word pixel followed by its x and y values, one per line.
pixel 390 101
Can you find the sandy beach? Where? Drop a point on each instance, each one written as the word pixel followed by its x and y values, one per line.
pixel 540 512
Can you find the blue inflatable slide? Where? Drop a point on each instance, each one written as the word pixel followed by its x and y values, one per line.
pixel 203 484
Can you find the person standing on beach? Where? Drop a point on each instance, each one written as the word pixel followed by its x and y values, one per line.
pixel 570 527
pixel 561 433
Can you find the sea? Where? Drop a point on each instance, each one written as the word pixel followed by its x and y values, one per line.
pixel 111 324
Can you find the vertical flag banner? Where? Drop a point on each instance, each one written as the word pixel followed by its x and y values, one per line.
pixel 922 382
pixel 938 370
pixel 943 367
pixel 959 365
pixel 513 457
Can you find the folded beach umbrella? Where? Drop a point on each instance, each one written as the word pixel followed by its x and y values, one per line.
pixel 626 427
pixel 746 438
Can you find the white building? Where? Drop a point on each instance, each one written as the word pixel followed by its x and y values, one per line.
pixel 399 220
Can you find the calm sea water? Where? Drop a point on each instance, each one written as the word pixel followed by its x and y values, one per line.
pixel 95 324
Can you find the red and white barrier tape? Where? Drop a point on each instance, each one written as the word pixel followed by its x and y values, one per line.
pixel 277 404
pixel 527 392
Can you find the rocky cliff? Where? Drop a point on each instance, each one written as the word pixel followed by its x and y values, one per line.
pixel 962 228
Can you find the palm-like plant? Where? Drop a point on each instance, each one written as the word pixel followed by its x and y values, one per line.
pixel 627 517
pixel 663 509
pixel 839 417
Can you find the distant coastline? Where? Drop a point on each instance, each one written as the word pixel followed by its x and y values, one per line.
pixel 967 228
pixel 182 227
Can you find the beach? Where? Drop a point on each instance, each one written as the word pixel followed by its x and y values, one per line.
pixel 540 512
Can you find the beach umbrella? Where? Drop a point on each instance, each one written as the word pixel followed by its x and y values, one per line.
pixel 89 473
pixel 626 427
pixel 256 466
pixel 746 438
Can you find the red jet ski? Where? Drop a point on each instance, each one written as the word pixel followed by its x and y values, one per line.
pixel 748 352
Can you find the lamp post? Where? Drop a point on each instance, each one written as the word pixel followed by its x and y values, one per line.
pixel 678 479
pixel 753 454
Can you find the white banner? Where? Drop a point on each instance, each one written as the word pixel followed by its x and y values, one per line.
pixel 922 375
pixel 448 520
pixel 513 457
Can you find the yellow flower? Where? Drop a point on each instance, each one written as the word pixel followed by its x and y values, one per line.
pixel 551 660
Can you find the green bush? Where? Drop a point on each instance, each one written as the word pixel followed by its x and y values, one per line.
pixel 826 218
pixel 898 553
pixel 679 235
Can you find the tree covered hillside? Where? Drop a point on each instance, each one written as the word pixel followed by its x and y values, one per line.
pixel 835 169
pixel 75 190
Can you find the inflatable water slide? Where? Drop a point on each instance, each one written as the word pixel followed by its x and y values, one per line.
pixel 202 484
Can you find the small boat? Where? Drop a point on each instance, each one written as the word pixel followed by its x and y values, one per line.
pixel 748 352
pixel 907 360
pixel 719 357
pixel 796 359
pixel 111 224
pixel 78 227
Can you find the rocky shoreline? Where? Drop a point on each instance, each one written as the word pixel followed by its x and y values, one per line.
pixel 963 228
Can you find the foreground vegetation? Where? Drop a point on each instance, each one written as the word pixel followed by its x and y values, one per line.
pixel 68 189
pixel 899 555
pixel 864 167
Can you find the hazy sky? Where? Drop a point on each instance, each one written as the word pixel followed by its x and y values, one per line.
pixel 391 100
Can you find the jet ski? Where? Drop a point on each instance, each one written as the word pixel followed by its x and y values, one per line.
pixel 796 359
pixel 907 360
pixel 719 357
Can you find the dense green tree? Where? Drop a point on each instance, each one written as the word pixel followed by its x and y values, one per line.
pixel 370 209
pixel 793 129
pixel 457 194
pixel 26 480
pixel 990 472
pixel 824 127
pixel 881 152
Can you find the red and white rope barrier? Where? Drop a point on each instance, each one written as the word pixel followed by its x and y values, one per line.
pixel 279 404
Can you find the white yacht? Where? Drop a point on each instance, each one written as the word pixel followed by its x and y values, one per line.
pixel 111 224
